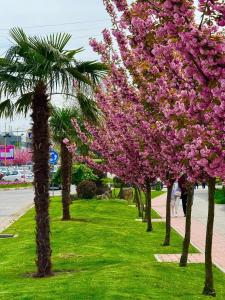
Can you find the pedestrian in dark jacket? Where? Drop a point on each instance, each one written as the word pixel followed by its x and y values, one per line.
pixel 196 185
pixel 203 184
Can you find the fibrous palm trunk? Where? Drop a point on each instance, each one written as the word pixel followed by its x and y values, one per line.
pixel 187 237
pixel 66 166
pixel 209 284
pixel 168 215
pixel 148 199
pixel 40 131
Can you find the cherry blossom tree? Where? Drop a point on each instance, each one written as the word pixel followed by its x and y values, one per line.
pixel 169 70
pixel 21 157
pixel 187 60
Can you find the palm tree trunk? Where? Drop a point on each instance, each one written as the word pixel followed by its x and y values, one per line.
pixel 40 131
pixel 209 284
pixel 66 166
pixel 187 237
pixel 168 215
pixel 148 199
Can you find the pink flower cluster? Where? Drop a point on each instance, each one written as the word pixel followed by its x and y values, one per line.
pixel 13 182
pixel 164 97
pixel 21 157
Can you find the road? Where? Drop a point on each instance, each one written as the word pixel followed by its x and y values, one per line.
pixel 200 210
pixel 13 203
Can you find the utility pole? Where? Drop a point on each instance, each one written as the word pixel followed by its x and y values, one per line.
pixel 5 144
pixel 17 138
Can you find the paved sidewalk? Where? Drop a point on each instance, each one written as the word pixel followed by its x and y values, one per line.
pixel 198 232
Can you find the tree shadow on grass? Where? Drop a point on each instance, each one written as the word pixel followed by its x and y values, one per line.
pixel 54 273
pixel 84 220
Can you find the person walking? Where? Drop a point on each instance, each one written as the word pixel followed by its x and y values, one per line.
pixel 203 184
pixel 175 198
pixel 196 185
pixel 182 183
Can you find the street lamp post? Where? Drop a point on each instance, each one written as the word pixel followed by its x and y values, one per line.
pixel 5 137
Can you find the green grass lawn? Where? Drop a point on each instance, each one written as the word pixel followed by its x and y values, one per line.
pixel 115 193
pixel 102 254
pixel 219 196
pixel 154 194
pixel 19 185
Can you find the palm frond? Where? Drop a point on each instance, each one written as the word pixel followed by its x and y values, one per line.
pixel 60 123
pixel 23 104
pixel 71 53
pixel 78 76
pixel 6 108
pixel 88 108
pixel 93 69
pixel 58 41
pixel 19 36
pixel 32 59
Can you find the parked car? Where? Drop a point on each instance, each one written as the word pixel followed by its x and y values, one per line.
pixel 29 176
pixel 15 176
pixel 5 173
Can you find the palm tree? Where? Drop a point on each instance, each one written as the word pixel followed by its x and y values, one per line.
pixel 61 128
pixel 34 69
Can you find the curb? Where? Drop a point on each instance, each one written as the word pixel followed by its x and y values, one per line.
pixel 16 189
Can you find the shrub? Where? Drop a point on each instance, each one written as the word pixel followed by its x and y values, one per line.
pixel 86 189
pixel 80 172
pixel 158 186
pixel 220 196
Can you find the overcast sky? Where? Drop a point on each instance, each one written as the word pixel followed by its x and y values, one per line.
pixel 82 18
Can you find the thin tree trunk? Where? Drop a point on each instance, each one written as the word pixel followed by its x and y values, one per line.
pixel 66 166
pixel 168 215
pixel 137 201
pixel 141 204
pixel 40 132
pixel 187 237
pixel 120 195
pixel 209 283
pixel 148 199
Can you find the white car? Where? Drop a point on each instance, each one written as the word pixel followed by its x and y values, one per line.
pixel 29 177
pixel 15 176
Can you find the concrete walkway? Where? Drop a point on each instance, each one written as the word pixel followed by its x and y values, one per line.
pixel 198 230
